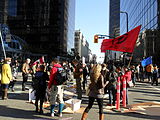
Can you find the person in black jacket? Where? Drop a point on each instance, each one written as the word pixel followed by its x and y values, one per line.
pixel 40 87
pixel 85 73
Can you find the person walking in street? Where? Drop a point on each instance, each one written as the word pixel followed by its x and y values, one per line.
pixel 96 91
pixel 105 72
pixel 141 73
pixel 14 68
pixel 133 75
pixel 6 77
pixel 78 75
pixel 149 70
pixel 127 75
pixel 85 74
pixel 40 87
pixel 112 87
pixel 137 72
pixel 25 72
pixel 56 91
pixel 155 75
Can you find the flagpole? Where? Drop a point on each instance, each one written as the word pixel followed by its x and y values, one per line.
pixel 4 52
pixel 130 60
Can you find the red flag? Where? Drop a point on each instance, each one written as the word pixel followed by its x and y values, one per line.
pixel 40 60
pixel 123 43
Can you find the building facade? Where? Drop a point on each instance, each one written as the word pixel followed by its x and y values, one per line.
pixel 147 14
pixel 82 47
pixel 114 28
pixel 46 25
pixel 3 11
pixel 78 43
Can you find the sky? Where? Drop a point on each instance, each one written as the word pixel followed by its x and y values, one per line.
pixel 92 17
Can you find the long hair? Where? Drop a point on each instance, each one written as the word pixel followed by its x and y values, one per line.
pixel 95 72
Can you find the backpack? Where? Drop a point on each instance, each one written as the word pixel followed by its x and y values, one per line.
pixel 112 80
pixel 60 76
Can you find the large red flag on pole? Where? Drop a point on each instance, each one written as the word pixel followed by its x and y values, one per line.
pixel 123 43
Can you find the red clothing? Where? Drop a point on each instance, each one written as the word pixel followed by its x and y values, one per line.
pixel 52 75
pixel 128 76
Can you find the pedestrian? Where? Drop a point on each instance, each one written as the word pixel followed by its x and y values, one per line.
pixel 15 67
pixel 96 91
pixel 25 72
pixel 56 91
pixel 70 76
pixel 141 72
pixel 155 75
pixel 105 72
pixel 127 75
pixel 6 77
pixel 78 75
pixel 133 75
pixel 137 70
pixel 149 70
pixel 112 87
pixel 40 87
pixel 1 63
pixel 85 74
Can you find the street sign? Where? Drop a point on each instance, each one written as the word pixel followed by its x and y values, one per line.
pixel 8 38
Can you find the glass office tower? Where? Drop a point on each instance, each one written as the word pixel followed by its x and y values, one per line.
pixel 71 25
pixel 46 25
pixel 114 28
pixel 147 14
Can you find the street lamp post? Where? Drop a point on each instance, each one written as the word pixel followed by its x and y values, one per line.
pixel 126 18
pixel 127 29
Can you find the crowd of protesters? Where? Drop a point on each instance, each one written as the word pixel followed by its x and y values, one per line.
pixel 103 79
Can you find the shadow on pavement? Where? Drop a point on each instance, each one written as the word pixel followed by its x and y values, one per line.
pixel 17 113
pixel 136 115
pixel 18 96
pixel 145 100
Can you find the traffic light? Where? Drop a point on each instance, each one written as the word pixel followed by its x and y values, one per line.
pixel 96 39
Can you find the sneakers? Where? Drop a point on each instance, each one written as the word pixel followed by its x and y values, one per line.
pixel 52 114
pixel 60 114
pixel 56 114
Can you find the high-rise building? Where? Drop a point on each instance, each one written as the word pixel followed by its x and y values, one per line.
pixel 147 14
pixel 3 11
pixel 46 25
pixel 78 42
pixel 71 25
pixel 114 26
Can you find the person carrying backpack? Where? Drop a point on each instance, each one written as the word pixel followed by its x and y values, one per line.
pixel 40 86
pixel 55 87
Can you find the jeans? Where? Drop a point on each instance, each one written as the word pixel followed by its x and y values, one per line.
pixel 112 95
pixel 25 78
pixel 78 88
pixel 90 104
pixel 56 92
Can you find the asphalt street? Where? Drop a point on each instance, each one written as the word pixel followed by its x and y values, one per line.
pixel 144 104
